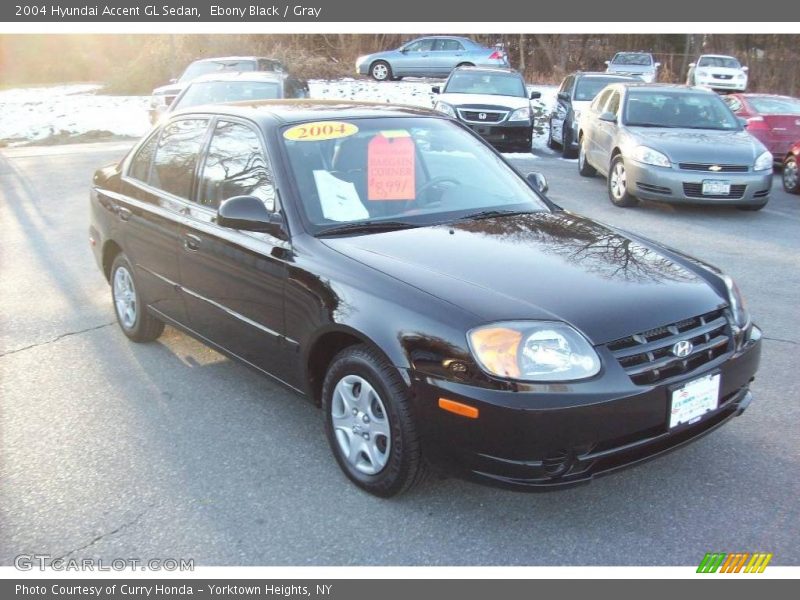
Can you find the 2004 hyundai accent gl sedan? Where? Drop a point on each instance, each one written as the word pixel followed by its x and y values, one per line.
pixel 389 265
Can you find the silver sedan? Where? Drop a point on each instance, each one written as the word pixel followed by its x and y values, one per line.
pixel 672 144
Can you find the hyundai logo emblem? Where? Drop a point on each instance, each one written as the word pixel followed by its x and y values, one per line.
pixel 482 116
pixel 683 348
pixel 715 168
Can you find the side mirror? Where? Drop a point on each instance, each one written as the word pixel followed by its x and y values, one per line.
pixel 608 62
pixel 536 95
pixel 742 121
pixel 608 117
pixel 537 181
pixel 658 65
pixel 173 80
pixel 745 69
pixel 692 65
pixel 248 213
pixel 436 89
pixel 403 50
pixel 563 96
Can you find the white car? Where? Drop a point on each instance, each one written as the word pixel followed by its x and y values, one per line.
pixel 718 72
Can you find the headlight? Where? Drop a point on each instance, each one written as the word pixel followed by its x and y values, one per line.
pixel 648 77
pixel 738 307
pixel 648 156
pixel 360 60
pixel 533 351
pixel 741 76
pixel 446 109
pixel 157 100
pixel 521 114
pixel 763 162
pixel 702 73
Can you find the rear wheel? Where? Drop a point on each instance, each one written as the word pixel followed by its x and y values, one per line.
pixel 790 176
pixel 132 315
pixel 584 168
pixel 618 184
pixel 380 71
pixel 567 151
pixel 369 424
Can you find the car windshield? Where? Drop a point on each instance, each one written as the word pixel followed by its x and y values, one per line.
pixel 589 87
pixel 630 58
pixel 492 84
pixel 206 67
pixel 650 108
pixel 214 92
pixel 399 172
pixel 719 61
pixel 768 105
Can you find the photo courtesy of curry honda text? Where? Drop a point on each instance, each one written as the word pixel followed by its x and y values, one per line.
pixel 392 267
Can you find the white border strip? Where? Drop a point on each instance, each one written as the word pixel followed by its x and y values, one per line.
pixel 245 26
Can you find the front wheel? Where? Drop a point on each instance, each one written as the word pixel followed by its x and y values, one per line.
pixel 132 315
pixel 791 180
pixel 584 168
pixel 618 184
pixel 380 71
pixel 369 423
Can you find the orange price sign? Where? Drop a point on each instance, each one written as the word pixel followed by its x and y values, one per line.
pixel 390 167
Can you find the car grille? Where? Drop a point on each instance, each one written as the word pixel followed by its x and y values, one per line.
pixel 695 190
pixel 492 116
pixel 647 357
pixel 707 167
pixel 723 76
pixel 654 189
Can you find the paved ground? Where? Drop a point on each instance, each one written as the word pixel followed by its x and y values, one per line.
pixel 112 449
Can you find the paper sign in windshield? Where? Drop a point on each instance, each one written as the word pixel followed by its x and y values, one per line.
pixel 390 167
pixel 319 131
pixel 338 199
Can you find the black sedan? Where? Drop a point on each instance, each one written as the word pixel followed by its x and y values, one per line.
pixel 390 266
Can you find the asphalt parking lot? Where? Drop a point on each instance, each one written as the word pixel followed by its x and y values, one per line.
pixel 116 450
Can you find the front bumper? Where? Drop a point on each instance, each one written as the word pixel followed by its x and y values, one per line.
pixel 562 435
pixel 507 135
pixel 734 85
pixel 674 185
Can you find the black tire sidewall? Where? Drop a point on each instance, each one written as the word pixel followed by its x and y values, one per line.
pixel 392 478
pixel 796 187
pixel 122 261
pixel 628 199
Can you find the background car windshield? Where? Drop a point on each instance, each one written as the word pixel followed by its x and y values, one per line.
pixel 632 59
pixel 493 84
pixel 719 61
pixel 589 87
pixel 677 109
pixel 195 70
pixel 767 105
pixel 214 92
pixel 416 170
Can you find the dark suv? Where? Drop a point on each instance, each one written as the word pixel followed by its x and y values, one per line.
pixel 574 95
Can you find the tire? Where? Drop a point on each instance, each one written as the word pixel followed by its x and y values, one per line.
pixel 567 151
pixel 751 207
pixel 551 143
pixel 584 168
pixel 139 325
pixel 790 175
pixel 388 459
pixel 380 71
pixel 618 184
pixel 465 64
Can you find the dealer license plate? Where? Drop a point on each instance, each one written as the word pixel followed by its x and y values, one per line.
pixel 694 399
pixel 716 188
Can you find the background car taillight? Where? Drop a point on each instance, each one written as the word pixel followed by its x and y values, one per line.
pixel 496 55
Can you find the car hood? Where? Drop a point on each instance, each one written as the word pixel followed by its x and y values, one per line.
pixel 721 70
pixel 701 145
pixel 547 266
pixel 484 100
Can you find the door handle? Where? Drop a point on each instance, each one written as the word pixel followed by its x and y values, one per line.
pixel 124 213
pixel 191 242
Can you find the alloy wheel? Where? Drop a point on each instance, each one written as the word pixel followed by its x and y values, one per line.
pixel 619 181
pixel 790 175
pixel 125 297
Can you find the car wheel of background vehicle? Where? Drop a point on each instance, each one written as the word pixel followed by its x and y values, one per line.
pixel 751 207
pixel 465 64
pixel 380 71
pixel 132 315
pixel 567 151
pixel 790 176
pixel 369 424
pixel 618 184
pixel 584 168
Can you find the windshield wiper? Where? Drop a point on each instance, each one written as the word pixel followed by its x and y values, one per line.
pixel 650 125
pixel 488 214
pixel 367 227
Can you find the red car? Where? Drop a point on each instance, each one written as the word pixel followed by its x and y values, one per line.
pixel 774 120
pixel 790 174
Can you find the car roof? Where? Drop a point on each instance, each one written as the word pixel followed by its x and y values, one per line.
pixel 673 87
pixel 240 76
pixel 501 70
pixel 288 111
pixel 232 58
pixel 716 56
pixel 619 76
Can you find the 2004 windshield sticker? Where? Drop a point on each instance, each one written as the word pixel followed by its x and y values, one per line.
pixel 319 131
pixel 390 166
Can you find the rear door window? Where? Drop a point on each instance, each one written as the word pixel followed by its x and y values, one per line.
pixel 140 165
pixel 177 156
